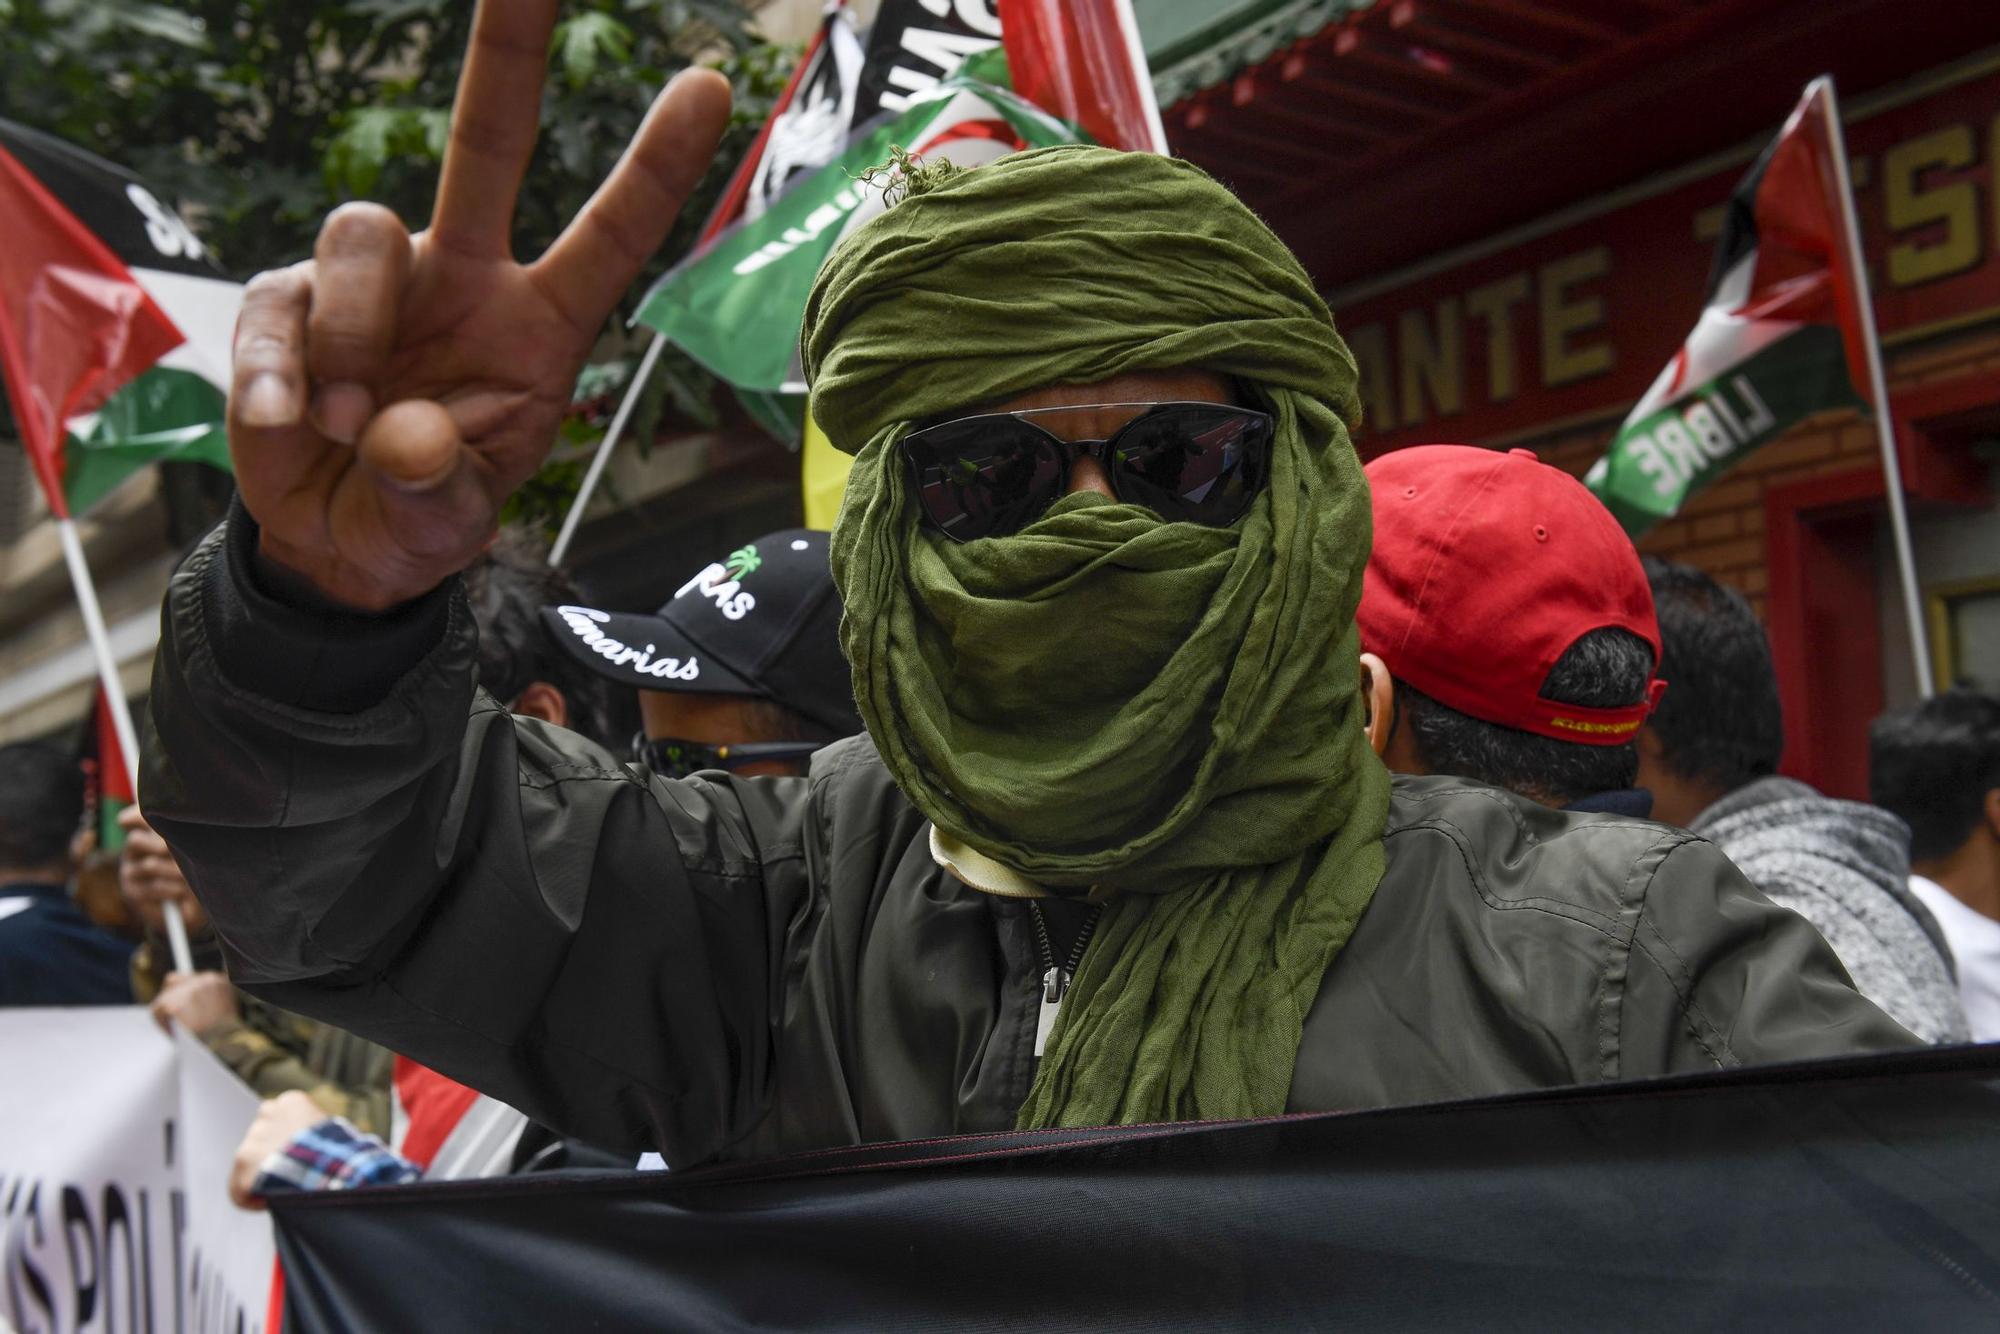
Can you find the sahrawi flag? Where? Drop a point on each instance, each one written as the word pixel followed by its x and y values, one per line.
pixel 736 306
pixel 1780 337
pixel 114 323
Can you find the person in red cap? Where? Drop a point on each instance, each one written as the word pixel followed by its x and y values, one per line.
pixel 1507 628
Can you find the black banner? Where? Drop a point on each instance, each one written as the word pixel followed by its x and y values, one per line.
pixel 1859 1194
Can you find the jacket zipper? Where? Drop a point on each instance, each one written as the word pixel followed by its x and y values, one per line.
pixel 1056 978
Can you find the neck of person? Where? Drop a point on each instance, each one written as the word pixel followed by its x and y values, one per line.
pixel 1971 873
pixel 1678 801
pixel 54 873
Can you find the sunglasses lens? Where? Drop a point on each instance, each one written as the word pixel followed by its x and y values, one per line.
pixel 984 476
pixel 670 757
pixel 1192 462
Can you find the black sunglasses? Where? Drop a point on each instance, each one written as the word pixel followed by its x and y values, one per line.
pixel 992 475
pixel 671 757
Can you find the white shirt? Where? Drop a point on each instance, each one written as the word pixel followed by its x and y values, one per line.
pixel 1975 947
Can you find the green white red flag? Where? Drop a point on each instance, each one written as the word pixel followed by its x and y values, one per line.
pixel 1779 339
pixel 110 775
pixel 114 322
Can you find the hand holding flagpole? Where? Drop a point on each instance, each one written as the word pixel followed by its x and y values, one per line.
pixel 114 697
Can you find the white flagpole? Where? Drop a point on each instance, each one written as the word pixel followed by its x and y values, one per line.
pixel 1135 52
pixel 114 696
pixel 610 442
pixel 1878 386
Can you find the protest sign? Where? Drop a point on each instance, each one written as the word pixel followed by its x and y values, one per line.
pixel 114 1150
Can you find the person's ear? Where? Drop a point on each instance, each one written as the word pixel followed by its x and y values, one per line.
pixel 1991 807
pixel 1378 699
pixel 544 701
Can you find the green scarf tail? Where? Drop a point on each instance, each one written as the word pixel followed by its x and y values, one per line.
pixel 1162 712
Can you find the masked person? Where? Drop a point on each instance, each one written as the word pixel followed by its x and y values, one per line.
pixel 1098 557
pixel 740 670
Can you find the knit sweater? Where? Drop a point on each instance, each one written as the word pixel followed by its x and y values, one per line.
pixel 1844 866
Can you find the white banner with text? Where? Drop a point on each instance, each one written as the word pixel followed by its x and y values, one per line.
pixel 115 1144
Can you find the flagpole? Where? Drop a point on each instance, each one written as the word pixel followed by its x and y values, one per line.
pixel 1878 386
pixel 114 697
pixel 1142 75
pixel 604 448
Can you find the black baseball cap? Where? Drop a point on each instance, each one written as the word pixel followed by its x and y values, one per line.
pixel 764 620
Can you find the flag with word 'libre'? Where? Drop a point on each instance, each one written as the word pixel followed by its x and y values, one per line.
pixel 1779 339
pixel 114 322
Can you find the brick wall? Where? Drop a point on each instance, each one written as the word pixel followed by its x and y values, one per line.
pixel 1722 530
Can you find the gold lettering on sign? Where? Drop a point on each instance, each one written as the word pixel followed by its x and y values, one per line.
pixel 1494 304
pixel 1906 205
pixel 1564 315
pixel 1370 347
pixel 1433 361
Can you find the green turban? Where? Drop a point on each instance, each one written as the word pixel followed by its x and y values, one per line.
pixel 1161 715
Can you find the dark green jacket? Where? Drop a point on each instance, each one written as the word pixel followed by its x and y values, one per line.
pixel 728 968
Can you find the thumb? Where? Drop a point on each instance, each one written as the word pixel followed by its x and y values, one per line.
pixel 416 509
pixel 432 487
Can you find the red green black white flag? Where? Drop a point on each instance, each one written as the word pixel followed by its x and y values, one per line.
pixel 114 322
pixel 1780 337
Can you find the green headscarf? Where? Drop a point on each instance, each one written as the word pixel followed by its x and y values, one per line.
pixel 1107 703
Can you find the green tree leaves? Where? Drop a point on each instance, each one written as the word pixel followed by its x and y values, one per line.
pixel 255 117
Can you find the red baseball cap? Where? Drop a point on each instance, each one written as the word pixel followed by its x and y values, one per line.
pixel 1487 566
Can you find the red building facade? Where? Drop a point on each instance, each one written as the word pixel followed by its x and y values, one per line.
pixel 1513 208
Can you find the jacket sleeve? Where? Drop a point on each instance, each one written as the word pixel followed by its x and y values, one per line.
pixel 383 849
pixel 270 1067
pixel 1717 975
pixel 1883 947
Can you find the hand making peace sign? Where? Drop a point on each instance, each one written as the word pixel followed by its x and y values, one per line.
pixel 391 392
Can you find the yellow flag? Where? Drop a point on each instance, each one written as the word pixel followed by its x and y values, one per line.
pixel 824 476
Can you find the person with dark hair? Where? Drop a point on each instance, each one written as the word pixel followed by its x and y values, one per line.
pixel 1710 756
pixel 1719 727
pixel 50 952
pixel 1937 766
pixel 506 589
pixel 1508 632
pixel 1114 849
pixel 740 671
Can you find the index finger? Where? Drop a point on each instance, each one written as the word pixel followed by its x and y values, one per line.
pixel 494 119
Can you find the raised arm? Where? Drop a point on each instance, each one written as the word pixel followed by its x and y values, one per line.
pixel 384 849
pixel 378 847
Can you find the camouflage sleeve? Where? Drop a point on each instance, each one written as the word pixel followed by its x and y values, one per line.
pixel 147 974
pixel 270 1068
